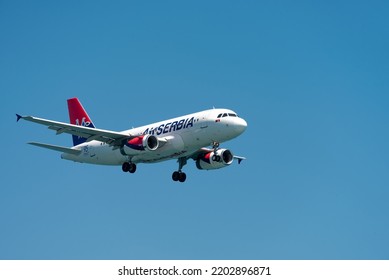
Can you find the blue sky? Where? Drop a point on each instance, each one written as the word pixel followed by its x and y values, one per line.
pixel 311 79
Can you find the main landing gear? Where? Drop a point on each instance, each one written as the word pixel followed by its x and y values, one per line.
pixel 176 176
pixel 129 167
pixel 179 175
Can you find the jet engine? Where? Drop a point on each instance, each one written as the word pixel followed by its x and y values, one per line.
pixel 211 160
pixel 140 143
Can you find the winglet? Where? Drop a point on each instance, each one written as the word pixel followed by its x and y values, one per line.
pixel 239 159
pixel 18 117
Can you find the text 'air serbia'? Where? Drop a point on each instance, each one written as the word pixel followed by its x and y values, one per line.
pixel 180 138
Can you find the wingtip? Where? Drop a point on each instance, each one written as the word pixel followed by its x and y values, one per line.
pixel 240 159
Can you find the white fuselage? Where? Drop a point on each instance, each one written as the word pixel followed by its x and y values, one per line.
pixel 181 136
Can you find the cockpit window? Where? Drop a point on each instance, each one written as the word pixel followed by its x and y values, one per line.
pixel 223 115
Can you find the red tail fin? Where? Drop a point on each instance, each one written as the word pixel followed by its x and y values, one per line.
pixel 78 116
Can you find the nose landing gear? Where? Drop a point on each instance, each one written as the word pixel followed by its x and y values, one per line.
pixel 215 147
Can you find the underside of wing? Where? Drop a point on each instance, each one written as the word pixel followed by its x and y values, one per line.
pixel 200 153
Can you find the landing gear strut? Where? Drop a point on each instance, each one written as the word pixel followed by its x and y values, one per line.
pixel 215 146
pixel 179 175
pixel 129 167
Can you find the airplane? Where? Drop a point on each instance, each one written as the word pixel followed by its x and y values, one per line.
pixel 195 136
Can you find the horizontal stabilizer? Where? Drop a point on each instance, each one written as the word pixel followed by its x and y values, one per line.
pixel 57 148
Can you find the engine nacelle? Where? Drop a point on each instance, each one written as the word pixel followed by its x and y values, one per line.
pixel 211 160
pixel 140 143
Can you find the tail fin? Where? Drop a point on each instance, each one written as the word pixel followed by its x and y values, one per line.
pixel 78 116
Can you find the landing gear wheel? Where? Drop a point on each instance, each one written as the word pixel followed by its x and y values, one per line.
pixel 126 167
pixel 179 176
pixel 132 168
pixel 175 176
pixel 216 158
pixel 182 177
pixel 129 167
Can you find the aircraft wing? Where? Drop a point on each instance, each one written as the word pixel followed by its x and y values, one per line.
pixel 200 153
pixel 112 138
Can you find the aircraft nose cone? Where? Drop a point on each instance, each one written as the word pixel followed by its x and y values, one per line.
pixel 240 125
